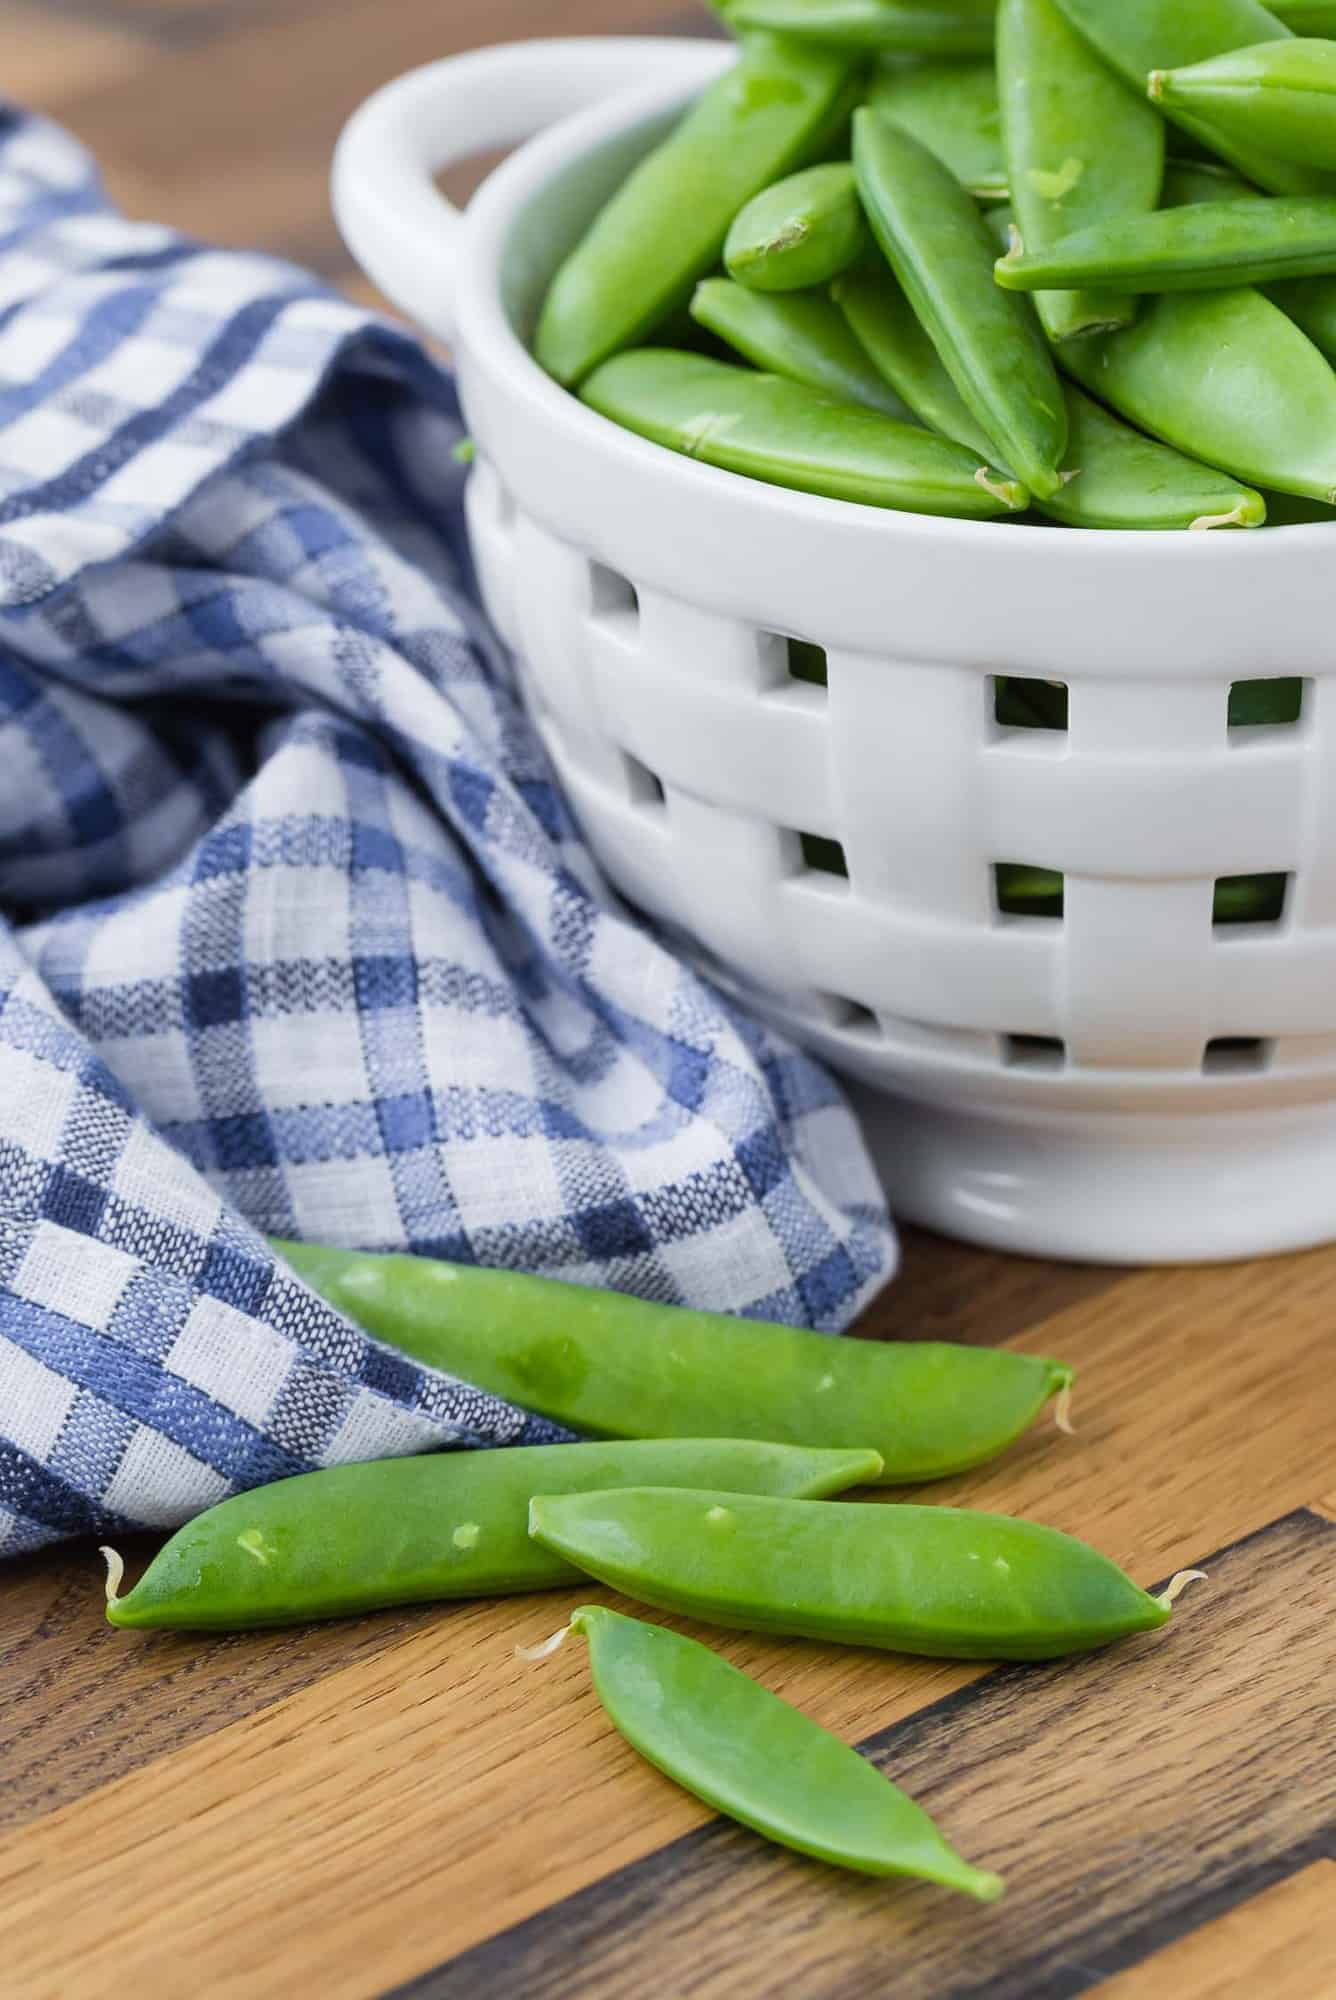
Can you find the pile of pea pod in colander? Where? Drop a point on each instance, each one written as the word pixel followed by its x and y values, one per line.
pixel 1072 259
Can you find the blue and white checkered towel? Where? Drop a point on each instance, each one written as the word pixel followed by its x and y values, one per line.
pixel 295 933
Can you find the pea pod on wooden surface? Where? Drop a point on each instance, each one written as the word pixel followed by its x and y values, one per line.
pixel 940 249
pixel 1081 146
pixel 803 231
pixel 885 324
pixel 767 428
pixel 939 1581
pixel 1126 480
pixel 622 1367
pixel 1279 95
pixel 916 27
pixel 1209 245
pixel 951 108
pixel 1136 36
pixel 356 1538
pixel 666 225
pixel 1225 377
pixel 801 335
pixel 740 1748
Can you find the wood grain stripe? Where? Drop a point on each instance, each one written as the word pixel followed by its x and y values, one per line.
pixel 1068 1778
pixel 1280 1945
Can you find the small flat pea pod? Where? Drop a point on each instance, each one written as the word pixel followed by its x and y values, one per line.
pixel 801 232
pixel 355 1538
pixel 800 335
pixel 665 226
pixel 1311 304
pixel 1136 36
pixel 884 322
pixel 617 1366
pixel 1307 17
pixel 939 247
pixel 1280 95
pixel 1080 147
pixel 1189 181
pixel 951 108
pixel 1227 378
pixel 943 1582
pixel 764 427
pixel 914 27
pixel 731 1742
pixel 1126 480
pixel 1208 246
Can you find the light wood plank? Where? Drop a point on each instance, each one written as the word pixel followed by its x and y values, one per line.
pixel 1280 1946
pixel 47 64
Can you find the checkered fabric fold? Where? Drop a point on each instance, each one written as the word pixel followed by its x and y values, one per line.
pixel 296 936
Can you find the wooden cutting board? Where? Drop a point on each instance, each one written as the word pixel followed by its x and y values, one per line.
pixel 400 1803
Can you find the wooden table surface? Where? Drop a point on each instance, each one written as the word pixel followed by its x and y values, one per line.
pixel 400 1801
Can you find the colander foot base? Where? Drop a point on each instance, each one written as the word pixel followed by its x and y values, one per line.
pixel 1111 1190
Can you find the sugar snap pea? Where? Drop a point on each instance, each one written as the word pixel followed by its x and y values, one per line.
pixel 765 427
pixel 665 227
pixel 728 1740
pixel 618 1366
pixel 1080 147
pixel 1136 36
pixel 1307 17
pixel 1189 181
pixel 1209 245
pixel 803 231
pixel 940 1581
pixel 1126 480
pixel 1279 95
pixel 1311 304
pixel 355 1538
pixel 885 323
pixel 951 108
pixel 916 27
pixel 801 335
pixel 940 250
pixel 1225 377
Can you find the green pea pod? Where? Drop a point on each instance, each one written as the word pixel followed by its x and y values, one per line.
pixel 1307 17
pixel 951 108
pixel 665 226
pixel 1125 480
pixel 939 247
pixel 767 428
pixel 410 1530
pixel 1136 36
pixel 883 321
pixel 1208 246
pixel 916 27
pixel 622 1367
pixel 1311 304
pixel 1189 181
pixel 1080 147
pixel 1280 95
pixel 939 1581
pixel 1227 378
pixel 800 335
pixel 801 232
pixel 729 1741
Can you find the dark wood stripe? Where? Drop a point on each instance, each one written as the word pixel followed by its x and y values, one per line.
pixel 1129 1797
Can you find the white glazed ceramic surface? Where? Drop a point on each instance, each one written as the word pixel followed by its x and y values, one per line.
pixel 1125 1082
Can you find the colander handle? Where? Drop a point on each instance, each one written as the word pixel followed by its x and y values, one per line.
pixel 398 225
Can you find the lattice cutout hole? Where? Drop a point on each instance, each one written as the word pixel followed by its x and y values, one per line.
pixel 642 785
pixel 1021 890
pixel 806 663
pixel 1041 1052
pixel 1249 899
pixel 1268 704
pixel 612 595
pixel 823 856
pixel 1029 704
pixel 1237 1055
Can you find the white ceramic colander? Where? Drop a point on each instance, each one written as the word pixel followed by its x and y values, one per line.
pixel 1124 1081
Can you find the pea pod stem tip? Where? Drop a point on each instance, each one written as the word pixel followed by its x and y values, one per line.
pixel 1177 1584
pixel 552 1644
pixel 115 1573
